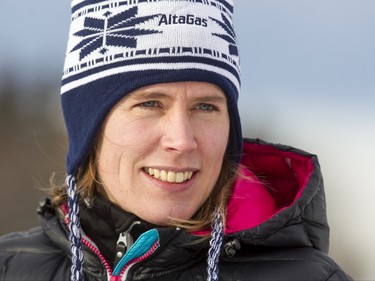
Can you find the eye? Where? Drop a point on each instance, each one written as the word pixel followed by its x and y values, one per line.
pixel 149 104
pixel 206 107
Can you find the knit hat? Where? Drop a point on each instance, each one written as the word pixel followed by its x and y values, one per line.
pixel 116 47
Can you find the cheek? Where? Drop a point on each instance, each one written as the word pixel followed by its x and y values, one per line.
pixel 213 139
pixel 112 167
pixel 213 144
pixel 124 142
pixel 108 167
pixel 125 132
pixel 108 156
pixel 123 145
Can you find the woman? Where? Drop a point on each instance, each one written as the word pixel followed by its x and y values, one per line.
pixel 160 184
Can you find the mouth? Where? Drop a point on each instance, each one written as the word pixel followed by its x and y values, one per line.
pixel 169 176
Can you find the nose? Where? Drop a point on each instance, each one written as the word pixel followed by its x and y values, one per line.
pixel 178 133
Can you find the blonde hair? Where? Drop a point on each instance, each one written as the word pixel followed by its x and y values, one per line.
pixel 88 185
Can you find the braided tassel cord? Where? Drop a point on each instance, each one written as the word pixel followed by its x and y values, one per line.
pixel 75 233
pixel 215 247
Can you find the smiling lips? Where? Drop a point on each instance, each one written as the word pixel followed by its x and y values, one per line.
pixel 169 176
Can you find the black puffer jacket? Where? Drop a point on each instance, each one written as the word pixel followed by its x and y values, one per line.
pixel 276 230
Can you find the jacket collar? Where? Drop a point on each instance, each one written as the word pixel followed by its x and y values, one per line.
pixel 178 249
pixel 103 222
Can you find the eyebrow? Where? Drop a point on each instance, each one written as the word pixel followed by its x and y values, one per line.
pixel 207 97
pixel 212 98
pixel 140 95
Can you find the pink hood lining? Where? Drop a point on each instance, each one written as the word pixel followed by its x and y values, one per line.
pixel 270 180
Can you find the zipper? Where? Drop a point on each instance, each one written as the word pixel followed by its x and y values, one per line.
pixel 124 242
pixel 142 249
pixel 127 267
pixel 96 251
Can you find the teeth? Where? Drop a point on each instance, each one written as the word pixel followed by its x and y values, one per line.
pixel 156 174
pixel 179 177
pixel 169 176
pixel 163 175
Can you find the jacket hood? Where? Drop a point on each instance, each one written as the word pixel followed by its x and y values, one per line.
pixel 278 200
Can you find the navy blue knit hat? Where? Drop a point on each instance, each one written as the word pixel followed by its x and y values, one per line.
pixel 116 47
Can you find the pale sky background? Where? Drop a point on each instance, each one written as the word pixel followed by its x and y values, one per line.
pixel 308 71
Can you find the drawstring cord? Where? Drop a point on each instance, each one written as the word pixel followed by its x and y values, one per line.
pixel 215 247
pixel 75 232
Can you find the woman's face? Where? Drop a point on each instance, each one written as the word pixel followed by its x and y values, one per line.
pixel 162 148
